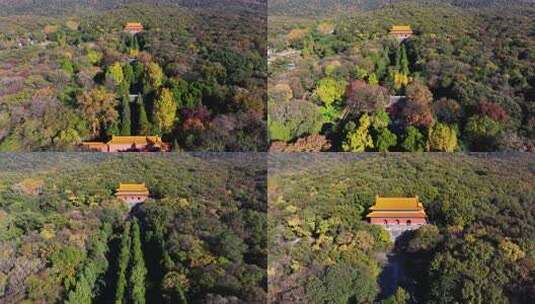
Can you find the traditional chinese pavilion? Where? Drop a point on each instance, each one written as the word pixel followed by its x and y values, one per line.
pixel 129 144
pixel 132 193
pixel 401 32
pixel 133 28
pixel 397 211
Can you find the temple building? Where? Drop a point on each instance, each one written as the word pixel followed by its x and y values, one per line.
pixel 132 194
pixel 401 32
pixel 133 28
pixel 397 211
pixel 129 144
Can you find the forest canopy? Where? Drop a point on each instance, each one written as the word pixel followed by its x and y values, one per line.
pixel 66 238
pixel 464 80
pixel 477 248
pixel 194 76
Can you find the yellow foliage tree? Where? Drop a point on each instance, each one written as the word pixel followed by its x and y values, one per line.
pixel 165 111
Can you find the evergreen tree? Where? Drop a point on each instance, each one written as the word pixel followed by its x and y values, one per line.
pixel 398 58
pixel 138 69
pixel 138 270
pixel 135 44
pixel 143 124
pixel 82 294
pixel 404 61
pixel 176 146
pixel 126 121
pixel 128 72
pixel 124 257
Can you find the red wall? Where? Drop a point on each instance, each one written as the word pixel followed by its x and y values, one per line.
pixel 402 221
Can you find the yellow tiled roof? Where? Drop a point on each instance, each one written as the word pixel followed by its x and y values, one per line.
pixel 132 188
pixel 138 140
pixel 413 214
pixel 396 203
pixel 401 28
pixel 134 24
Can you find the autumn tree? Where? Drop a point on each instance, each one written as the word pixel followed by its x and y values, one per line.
pixel 358 139
pixel 417 110
pixel 363 97
pixel 442 138
pixel 114 74
pixel 330 90
pixel 164 111
pixel 153 77
pixel 98 107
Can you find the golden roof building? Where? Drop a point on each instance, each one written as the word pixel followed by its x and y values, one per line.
pixel 401 32
pixel 397 211
pixel 133 28
pixel 129 144
pixel 132 194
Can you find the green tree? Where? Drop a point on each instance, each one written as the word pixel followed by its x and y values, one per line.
pixel 372 79
pixel 138 271
pixel 128 72
pixel 482 131
pixel 143 125
pixel 359 139
pixel 126 124
pixel 443 138
pixel 380 120
pixel 400 297
pixel 82 294
pixel 66 65
pixel 94 57
pixel 330 90
pixel 404 61
pixel 343 283
pixel 154 76
pixel 164 111
pixel 414 141
pixel 385 140
pixel 124 258
pixel 115 73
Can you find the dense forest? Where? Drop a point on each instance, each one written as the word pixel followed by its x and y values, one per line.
pixel 22 7
pixel 478 247
pixel 199 238
pixel 194 76
pixel 318 8
pixel 465 80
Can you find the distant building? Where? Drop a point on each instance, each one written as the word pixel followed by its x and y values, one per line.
pixel 397 211
pixel 129 144
pixel 133 28
pixel 132 194
pixel 401 32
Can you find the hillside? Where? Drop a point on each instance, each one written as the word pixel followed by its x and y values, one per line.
pixel 463 80
pixel 199 238
pixel 58 7
pixel 317 8
pixel 478 247
pixel 197 78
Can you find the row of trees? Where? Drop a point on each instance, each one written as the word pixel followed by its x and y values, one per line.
pixel 131 266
